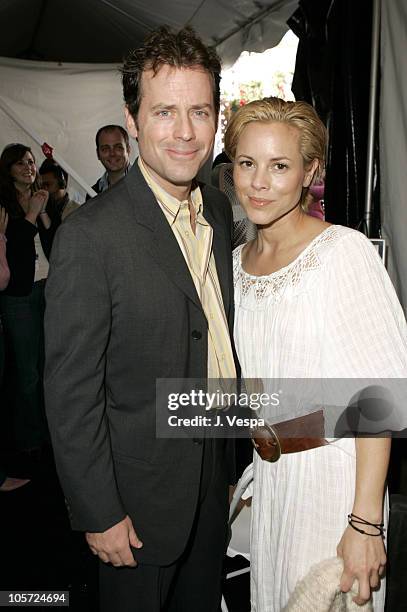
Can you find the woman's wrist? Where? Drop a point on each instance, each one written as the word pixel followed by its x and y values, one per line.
pixel 372 512
pixel 31 217
pixel 365 527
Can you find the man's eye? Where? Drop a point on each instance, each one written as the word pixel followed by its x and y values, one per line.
pixel 163 113
pixel 201 113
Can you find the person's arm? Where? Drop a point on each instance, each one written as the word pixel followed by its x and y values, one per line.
pixel 4 269
pixel 365 339
pixel 77 334
pixel 364 555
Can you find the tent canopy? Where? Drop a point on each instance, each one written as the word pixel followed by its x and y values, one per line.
pixel 102 31
pixel 59 79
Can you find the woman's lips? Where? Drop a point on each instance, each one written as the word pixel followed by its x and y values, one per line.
pixel 258 202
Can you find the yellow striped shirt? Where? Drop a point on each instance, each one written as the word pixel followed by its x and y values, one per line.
pixel 198 254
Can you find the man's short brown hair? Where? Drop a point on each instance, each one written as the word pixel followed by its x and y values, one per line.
pixel 183 49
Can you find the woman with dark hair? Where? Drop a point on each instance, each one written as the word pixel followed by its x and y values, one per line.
pixel 6 483
pixel 22 302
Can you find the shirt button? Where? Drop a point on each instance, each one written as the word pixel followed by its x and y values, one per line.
pixel 196 335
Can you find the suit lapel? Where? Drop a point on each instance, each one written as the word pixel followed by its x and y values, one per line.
pixel 160 242
pixel 158 238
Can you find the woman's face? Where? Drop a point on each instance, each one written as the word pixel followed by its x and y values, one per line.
pixel 24 171
pixel 269 171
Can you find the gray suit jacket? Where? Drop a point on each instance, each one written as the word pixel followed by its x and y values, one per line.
pixel 122 311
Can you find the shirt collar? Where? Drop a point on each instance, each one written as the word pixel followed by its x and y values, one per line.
pixel 104 179
pixel 171 204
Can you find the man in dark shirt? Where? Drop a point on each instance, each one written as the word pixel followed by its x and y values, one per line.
pixel 112 150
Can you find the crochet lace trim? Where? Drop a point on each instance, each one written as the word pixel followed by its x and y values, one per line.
pixel 275 284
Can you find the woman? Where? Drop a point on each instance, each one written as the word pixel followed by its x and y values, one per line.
pixel 313 300
pixel 22 302
pixel 6 483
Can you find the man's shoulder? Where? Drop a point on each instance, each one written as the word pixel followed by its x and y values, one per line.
pixel 213 196
pixel 96 186
pixel 111 207
pixel 216 201
pixel 99 208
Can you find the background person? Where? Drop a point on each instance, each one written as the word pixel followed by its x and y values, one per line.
pixel 55 180
pixel 29 236
pixel 6 483
pixel 299 265
pixel 112 150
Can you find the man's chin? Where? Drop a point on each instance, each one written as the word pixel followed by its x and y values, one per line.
pixel 115 168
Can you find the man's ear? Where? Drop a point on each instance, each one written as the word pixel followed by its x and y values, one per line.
pixel 130 123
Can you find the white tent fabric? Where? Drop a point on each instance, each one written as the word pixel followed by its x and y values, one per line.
pixel 65 105
pixel 393 140
pixel 65 102
pixel 103 30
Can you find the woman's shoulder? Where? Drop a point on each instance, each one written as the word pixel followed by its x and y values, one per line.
pixel 339 241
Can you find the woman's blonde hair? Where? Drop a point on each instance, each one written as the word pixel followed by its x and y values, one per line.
pixel 313 134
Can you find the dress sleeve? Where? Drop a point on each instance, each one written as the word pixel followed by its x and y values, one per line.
pixel 365 328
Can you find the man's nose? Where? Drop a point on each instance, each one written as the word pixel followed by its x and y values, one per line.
pixel 184 127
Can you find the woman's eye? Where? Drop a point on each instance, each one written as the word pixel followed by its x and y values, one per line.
pixel 245 163
pixel 280 166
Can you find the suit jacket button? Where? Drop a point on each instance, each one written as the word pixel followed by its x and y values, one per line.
pixel 196 335
pixel 197 440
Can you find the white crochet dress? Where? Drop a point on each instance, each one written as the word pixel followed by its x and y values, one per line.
pixel 331 313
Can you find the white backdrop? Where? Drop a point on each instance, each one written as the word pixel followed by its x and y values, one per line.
pixel 393 139
pixel 65 105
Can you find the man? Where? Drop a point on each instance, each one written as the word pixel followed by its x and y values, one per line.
pixel 112 150
pixel 55 180
pixel 141 278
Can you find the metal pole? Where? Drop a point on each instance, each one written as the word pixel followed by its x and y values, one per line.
pixel 368 216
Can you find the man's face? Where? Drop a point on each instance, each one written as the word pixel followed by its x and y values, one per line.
pixel 175 126
pixel 50 182
pixel 112 151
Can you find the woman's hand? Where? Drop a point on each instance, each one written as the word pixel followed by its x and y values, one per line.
pixel 38 202
pixel 364 558
pixel 36 205
pixel 3 220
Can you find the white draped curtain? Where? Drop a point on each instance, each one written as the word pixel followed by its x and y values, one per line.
pixel 393 139
pixel 64 105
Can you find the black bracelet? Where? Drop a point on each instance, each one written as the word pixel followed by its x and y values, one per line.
pixel 352 518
